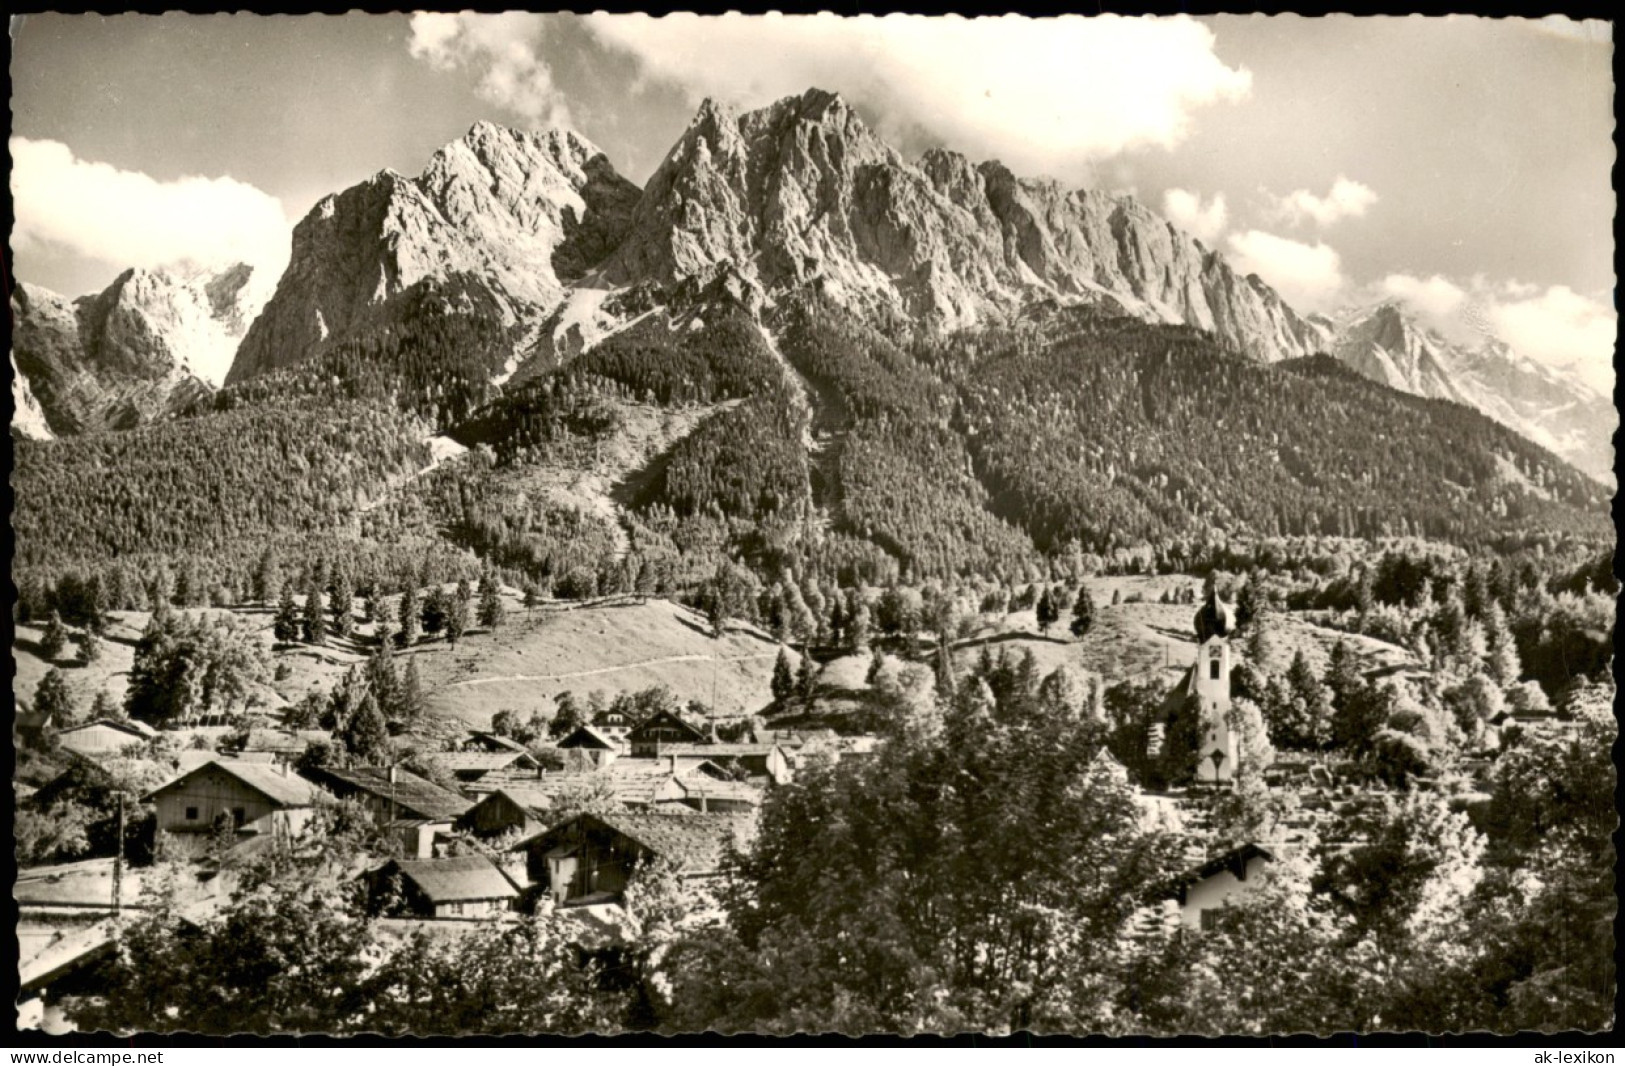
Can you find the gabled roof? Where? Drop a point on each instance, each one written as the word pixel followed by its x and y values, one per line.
pixel 411 795
pixel 669 719
pixel 454 879
pixel 282 789
pixel 663 767
pixel 694 842
pixel 719 751
pixel 697 787
pixel 486 737
pixel 138 730
pixel 1233 860
pixel 586 736
pixel 282 741
pixel 466 761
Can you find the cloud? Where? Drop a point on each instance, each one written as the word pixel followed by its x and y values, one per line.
pixel 1558 327
pixel 1184 209
pixel 1347 199
pixel 130 219
pixel 1434 297
pixel 1563 329
pixel 1308 276
pixel 504 49
pixel 1043 95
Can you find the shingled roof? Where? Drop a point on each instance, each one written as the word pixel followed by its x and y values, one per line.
pixel 458 878
pixel 480 761
pixel 283 789
pixel 694 842
pixel 412 795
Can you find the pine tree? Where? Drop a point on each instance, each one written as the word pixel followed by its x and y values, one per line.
pixel 410 616
pixel 435 606
pixel 491 609
pixel 383 680
pixel 343 605
pixel 285 625
pixel 267 577
pixel 411 693
pixel 366 735
pixel 783 683
pixel 1048 613
pixel 1083 612
pixel 54 641
pixel 313 627
pixel 806 679
pixel 456 619
pixel 533 596
pixel 104 706
pixel 90 646
pixel 858 627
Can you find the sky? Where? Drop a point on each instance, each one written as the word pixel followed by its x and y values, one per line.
pixel 1459 166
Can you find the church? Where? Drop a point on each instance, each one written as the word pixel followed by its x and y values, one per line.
pixel 1209 684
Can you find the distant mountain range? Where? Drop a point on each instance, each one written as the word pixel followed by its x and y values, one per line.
pixel 146 346
pixel 536 231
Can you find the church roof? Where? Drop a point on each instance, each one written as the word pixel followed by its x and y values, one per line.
pixel 1214 618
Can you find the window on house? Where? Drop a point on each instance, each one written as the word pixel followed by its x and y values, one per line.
pixel 1213 669
pixel 239 817
pixel 191 814
pixel 1214 918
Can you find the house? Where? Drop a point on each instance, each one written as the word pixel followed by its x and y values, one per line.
pixel 473 765
pixel 591 857
pixel 756 760
pixel 613 723
pixel 595 747
pixel 1203 891
pixel 391 793
pixel 507 810
pixel 105 736
pixel 279 745
pixel 255 798
pixel 659 731
pixel 479 740
pixel 461 886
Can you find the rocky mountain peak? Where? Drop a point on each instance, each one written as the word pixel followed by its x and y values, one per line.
pixel 511 212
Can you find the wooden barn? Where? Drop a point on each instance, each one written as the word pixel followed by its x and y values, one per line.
pixel 591 857
pixel 462 886
pixel 391 793
pixel 254 798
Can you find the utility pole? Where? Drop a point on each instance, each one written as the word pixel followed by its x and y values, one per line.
pixel 118 863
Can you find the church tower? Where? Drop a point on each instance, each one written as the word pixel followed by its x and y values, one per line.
pixel 1210 683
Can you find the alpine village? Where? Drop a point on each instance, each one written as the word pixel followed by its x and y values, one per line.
pixel 816 591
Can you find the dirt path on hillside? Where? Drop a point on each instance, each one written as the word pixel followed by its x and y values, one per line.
pixel 693 658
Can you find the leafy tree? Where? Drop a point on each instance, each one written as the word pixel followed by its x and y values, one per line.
pixel 288 953
pixel 285 625
pixel 568 715
pixel 53 698
pixel 184 667
pixel 1083 612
